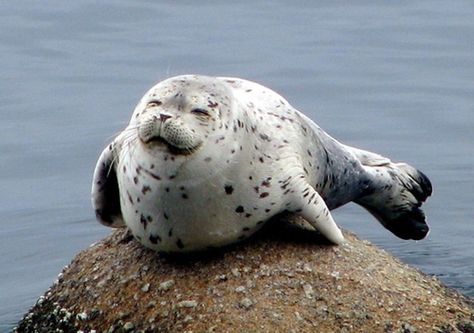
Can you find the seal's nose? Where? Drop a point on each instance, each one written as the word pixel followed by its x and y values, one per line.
pixel 163 117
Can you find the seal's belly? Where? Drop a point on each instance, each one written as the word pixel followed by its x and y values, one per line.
pixel 179 215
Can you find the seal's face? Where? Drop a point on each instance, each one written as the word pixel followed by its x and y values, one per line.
pixel 178 116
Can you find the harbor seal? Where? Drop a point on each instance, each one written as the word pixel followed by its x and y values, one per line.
pixel 206 161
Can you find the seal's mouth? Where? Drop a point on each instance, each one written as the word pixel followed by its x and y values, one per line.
pixel 158 141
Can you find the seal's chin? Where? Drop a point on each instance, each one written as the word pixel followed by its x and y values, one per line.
pixel 160 143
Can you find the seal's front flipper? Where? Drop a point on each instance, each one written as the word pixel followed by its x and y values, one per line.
pixel 309 204
pixel 105 191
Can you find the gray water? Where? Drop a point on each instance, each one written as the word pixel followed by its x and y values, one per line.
pixel 393 77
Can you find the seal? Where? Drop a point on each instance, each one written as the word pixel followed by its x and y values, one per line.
pixel 206 161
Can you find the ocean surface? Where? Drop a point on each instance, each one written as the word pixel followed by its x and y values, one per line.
pixel 394 77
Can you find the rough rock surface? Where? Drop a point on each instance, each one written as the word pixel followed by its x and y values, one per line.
pixel 282 280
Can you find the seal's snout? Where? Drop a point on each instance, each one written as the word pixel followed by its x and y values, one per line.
pixel 163 129
pixel 152 127
pixel 149 129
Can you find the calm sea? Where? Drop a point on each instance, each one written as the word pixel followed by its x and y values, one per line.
pixel 395 77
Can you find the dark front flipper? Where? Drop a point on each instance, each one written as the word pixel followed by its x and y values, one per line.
pixel 398 192
pixel 105 191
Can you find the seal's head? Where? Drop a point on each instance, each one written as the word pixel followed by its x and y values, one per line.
pixel 180 114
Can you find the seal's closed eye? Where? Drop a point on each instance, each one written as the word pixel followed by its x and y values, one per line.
pixel 200 112
pixel 153 104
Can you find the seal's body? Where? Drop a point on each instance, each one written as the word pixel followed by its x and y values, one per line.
pixel 206 161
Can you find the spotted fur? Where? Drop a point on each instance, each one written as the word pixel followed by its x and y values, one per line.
pixel 206 161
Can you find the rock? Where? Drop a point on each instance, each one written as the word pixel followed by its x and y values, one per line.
pixel 187 304
pixel 282 280
pixel 146 287
pixel 246 303
pixel 164 286
pixel 129 326
pixel 240 289
pixel 308 291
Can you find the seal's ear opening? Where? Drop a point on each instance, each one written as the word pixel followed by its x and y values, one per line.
pixel 105 191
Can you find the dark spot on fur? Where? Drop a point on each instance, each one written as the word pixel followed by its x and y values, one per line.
pixel 265 137
pixel 154 239
pixel 207 159
pixel 179 243
pixel 184 196
pixel 245 229
pixel 228 189
pixel 264 194
pixel 248 215
pixel 165 216
pixel 170 233
pixel 129 198
pixel 146 189
pixel 143 221
pixel 135 180
pixel 151 174
pixel 239 209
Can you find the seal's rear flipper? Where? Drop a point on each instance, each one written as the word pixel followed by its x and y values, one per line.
pixel 105 191
pixel 394 195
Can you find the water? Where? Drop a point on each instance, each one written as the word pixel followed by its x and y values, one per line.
pixel 393 77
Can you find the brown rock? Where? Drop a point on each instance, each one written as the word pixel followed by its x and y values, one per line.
pixel 283 280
